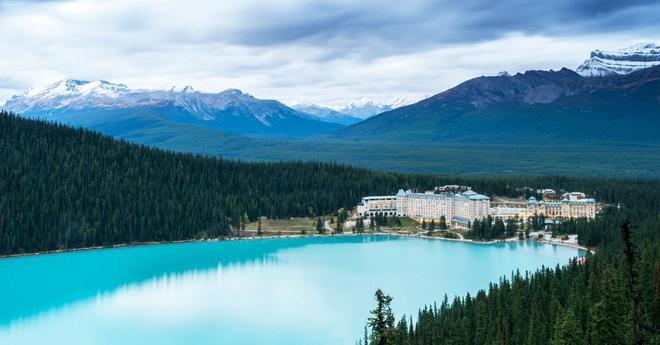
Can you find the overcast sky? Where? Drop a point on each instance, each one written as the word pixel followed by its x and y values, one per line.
pixel 325 52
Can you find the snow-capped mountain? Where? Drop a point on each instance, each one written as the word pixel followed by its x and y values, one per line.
pixel 326 114
pixel 621 61
pixel 86 103
pixel 535 106
pixel 365 108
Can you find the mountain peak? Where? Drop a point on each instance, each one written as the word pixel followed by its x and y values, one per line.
pixel 235 92
pixel 230 110
pixel 185 89
pixel 621 61
pixel 75 87
pixel 364 107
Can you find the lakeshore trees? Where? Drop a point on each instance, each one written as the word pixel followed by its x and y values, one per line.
pixel 583 303
pixel 63 188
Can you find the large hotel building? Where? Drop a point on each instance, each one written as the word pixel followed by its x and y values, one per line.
pixel 571 205
pixel 460 206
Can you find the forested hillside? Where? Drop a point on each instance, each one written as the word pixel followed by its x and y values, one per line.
pixel 612 298
pixel 66 188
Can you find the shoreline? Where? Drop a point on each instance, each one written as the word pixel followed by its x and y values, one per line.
pixel 512 239
pixel 249 238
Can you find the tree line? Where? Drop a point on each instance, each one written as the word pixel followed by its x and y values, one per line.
pixel 613 297
pixel 63 187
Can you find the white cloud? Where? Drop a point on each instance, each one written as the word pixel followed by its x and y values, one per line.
pixel 324 52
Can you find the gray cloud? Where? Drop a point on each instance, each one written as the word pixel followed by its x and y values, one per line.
pixel 423 23
pixel 326 51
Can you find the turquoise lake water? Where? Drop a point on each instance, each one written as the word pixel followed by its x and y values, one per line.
pixel 271 291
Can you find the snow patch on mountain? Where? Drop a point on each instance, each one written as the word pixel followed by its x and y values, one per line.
pixel 622 61
pixel 72 95
pixel 326 114
pixel 364 108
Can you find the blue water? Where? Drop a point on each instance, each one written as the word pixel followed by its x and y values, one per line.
pixel 272 291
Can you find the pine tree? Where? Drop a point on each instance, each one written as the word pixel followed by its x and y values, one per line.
pixel 568 330
pixel 443 223
pixel 608 325
pixel 320 226
pixel 259 232
pixel 381 322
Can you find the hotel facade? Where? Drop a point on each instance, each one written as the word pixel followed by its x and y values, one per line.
pixel 462 206
pixel 571 206
pixel 459 209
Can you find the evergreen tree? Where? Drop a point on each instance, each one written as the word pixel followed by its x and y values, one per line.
pixel 568 330
pixel 359 225
pixel 443 223
pixel 511 227
pixel 608 325
pixel 259 232
pixel 381 321
pixel 320 226
pixel 340 228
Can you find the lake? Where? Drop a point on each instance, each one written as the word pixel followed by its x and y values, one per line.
pixel 316 290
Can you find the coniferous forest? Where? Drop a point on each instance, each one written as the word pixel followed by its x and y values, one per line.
pixel 62 188
pixel 611 298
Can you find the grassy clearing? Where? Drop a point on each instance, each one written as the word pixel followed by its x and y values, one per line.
pixel 408 223
pixel 289 225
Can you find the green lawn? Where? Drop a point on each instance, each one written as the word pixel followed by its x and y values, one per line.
pixel 408 223
pixel 284 225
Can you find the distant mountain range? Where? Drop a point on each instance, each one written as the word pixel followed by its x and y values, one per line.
pixel 622 61
pixel 353 112
pixel 326 114
pixel 539 108
pixel 365 108
pixel 115 108
pixel 543 107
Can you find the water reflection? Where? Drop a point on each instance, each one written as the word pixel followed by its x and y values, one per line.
pixel 282 291
pixel 55 280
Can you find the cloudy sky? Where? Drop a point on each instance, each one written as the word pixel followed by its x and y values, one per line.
pixel 325 52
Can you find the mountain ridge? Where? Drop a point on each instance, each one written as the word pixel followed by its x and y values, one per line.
pixel 230 110
pixel 484 108
pixel 326 114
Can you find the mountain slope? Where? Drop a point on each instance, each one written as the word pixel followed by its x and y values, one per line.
pixel 101 104
pixel 365 108
pixel 326 114
pixel 534 107
pixel 622 61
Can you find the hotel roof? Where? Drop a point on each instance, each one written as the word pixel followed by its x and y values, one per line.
pixel 469 194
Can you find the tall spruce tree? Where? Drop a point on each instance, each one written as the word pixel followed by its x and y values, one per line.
pixel 381 321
